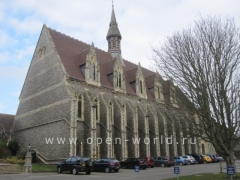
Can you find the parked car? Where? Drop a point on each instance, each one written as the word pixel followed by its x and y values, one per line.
pixel 150 161
pixel 191 159
pixel 199 158
pixel 164 161
pixel 76 164
pixel 213 157
pixel 179 160
pixel 219 158
pixel 207 158
pixel 107 165
pixel 132 162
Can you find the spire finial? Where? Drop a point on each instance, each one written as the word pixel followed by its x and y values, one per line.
pixel 112 3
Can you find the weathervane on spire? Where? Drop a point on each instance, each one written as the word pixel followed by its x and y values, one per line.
pixel 112 3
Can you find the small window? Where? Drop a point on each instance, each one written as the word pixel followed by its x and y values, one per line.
pixel 141 87
pixel 119 80
pixel 80 108
pixel 82 67
pixel 158 92
pixel 152 91
pixel 133 84
pixel 110 77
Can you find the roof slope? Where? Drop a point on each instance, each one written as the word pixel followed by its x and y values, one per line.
pixel 7 121
pixel 73 53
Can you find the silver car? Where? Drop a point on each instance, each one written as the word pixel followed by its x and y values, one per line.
pixel 191 159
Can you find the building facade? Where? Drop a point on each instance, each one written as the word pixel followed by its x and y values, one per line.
pixel 80 100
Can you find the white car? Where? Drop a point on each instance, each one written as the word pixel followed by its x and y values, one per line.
pixel 191 159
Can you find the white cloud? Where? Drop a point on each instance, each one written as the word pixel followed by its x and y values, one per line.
pixel 13 73
pixel 140 22
pixel 28 25
pixel 4 56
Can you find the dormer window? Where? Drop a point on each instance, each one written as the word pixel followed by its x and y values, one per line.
pixel 133 84
pixel 79 107
pixel 141 87
pixel 152 91
pixel 119 79
pixel 158 92
pixel 110 77
pixel 82 67
pixel 92 71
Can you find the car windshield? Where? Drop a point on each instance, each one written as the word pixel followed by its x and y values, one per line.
pixel 185 156
pixel 85 159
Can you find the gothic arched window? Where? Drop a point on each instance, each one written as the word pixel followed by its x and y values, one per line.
pixel 119 79
pixel 79 107
pixel 141 87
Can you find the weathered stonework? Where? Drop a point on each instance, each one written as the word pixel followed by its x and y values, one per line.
pixel 101 106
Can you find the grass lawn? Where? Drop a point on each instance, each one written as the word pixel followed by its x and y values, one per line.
pixel 207 176
pixel 42 167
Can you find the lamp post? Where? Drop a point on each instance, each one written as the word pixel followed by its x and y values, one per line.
pixel 28 161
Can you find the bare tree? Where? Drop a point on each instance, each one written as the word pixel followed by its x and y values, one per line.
pixel 204 62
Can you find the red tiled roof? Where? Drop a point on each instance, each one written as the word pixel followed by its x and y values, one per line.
pixel 73 53
pixel 7 121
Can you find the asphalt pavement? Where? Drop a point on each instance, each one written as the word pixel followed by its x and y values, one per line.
pixel 156 173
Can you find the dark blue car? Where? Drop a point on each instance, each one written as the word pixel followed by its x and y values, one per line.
pixel 107 165
pixel 179 160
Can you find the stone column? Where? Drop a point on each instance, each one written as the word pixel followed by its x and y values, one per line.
pixel 123 128
pixel 157 143
pixel 136 133
pixel 174 141
pixel 73 126
pixel 93 132
pixel 147 135
pixel 28 161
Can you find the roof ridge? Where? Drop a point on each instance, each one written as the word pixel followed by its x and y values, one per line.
pixel 83 50
pixel 150 75
pixel 131 69
pixel 68 36
pixel 7 114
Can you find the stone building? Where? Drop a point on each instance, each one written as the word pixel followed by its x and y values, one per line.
pixel 75 90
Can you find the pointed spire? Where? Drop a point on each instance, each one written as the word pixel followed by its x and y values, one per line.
pixel 114 36
pixel 113 21
pixel 113 26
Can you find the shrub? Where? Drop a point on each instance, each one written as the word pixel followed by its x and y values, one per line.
pixel 4 152
pixel 21 154
pixel 13 147
pixel 14 160
pixel 3 144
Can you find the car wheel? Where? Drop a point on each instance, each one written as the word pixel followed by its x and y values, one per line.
pixel 144 168
pixel 88 172
pixel 75 171
pixel 162 165
pixel 152 166
pixel 107 170
pixel 180 163
pixel 116 170
pixel 59 169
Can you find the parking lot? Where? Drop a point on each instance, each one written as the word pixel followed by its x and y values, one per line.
pixel 156 173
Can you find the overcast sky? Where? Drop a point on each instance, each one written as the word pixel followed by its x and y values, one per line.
pixel 142 23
